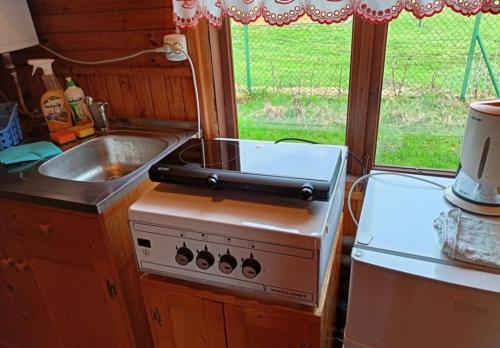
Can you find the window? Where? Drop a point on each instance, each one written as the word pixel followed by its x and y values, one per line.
pixel 422 116
pixel 292 81
pixel 403 98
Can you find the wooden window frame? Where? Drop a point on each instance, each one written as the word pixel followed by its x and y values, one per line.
pixel 368 48
pixel 365 91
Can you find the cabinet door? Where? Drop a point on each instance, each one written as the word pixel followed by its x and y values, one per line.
pixel 22 323
pixel 182 321
pixel 80 296
pixel 248 327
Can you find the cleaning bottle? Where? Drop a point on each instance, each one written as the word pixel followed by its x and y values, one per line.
pixel 76 99
pixel 55 108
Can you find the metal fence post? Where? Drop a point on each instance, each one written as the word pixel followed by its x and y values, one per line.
pixel 488 64
pixel 247 58
pixel 476 37
pixel 470 57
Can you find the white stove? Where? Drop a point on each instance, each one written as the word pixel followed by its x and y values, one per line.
pixel 260 243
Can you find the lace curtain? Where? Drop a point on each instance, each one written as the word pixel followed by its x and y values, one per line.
pixel 282 12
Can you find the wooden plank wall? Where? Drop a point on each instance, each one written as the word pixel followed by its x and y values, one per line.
pixel 148 86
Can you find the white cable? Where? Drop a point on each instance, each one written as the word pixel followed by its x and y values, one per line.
pixel 196 94
pixel 163 49
pixel 97 62
pixel 351 190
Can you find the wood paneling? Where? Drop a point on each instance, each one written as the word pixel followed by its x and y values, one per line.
pixel 39 7
pixel 103 40
pixel 138 19
pixel 147 86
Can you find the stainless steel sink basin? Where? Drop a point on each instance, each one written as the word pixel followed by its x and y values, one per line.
pixel 105 158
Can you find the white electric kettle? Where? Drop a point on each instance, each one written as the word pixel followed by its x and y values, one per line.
pixel 477 185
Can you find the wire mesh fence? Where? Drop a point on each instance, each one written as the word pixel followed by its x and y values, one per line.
pixel 314 59
pixel 303 55
pixel 432 55
pixel 433 69
pixel 294 79
pixel 421 54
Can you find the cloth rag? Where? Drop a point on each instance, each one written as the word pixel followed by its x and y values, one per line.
pixel 469 239
pixel 29 152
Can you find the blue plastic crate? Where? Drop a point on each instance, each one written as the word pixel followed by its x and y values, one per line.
pixel 10 129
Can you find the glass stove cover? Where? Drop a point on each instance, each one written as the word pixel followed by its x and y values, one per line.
pixel 292 160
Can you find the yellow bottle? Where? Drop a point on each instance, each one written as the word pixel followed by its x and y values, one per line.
pixel 53 104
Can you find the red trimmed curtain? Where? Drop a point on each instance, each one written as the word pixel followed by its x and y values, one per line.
pixel 283 12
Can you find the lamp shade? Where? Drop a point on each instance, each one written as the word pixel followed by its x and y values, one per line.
pixel 16 26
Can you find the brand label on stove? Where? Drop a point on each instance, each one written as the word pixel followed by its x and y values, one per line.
pixel 303 296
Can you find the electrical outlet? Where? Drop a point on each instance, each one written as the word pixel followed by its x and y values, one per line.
pixel 176 43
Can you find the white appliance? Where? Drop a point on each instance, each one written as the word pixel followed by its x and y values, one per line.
pixel 268 245
pixel 477 185
pixel 16 26
pixel 16 32
pixel 404 292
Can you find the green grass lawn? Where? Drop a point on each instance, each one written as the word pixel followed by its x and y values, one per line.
pixel 400 142
pixel 300 75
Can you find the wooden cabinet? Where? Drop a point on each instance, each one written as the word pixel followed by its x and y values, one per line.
pixel 179 320
pixel 188 315
pixel 81 300
pixel 248 327
pixel 69 279
pixel 21 312
pixel 183 319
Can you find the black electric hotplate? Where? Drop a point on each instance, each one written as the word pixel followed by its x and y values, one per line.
pixel 308 171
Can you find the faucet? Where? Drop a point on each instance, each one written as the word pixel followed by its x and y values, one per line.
pixel 98 111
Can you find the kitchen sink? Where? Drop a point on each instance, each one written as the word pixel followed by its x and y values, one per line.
pixel 105 158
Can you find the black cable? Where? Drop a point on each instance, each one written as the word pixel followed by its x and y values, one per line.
pixel 357 159
pixel 295 139
pixel 361 163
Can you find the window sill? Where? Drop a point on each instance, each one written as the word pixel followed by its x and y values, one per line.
pixel 417 171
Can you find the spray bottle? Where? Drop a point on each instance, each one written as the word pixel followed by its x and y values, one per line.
pixel 53 104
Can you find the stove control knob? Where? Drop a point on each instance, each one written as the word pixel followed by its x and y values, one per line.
pixel 250 267
pixel 205 259
pixel 212 182
pixel 227 263
pixel 306 192
pixel 184 255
